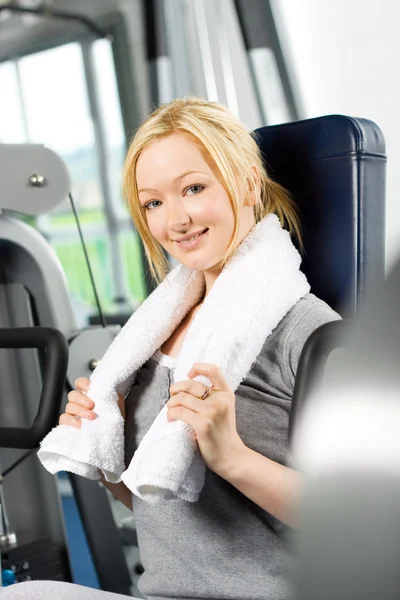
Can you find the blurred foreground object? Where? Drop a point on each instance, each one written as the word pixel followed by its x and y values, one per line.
pixel 347 441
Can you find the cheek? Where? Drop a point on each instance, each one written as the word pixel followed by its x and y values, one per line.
pixel 222 214
pixel 156 227
pixel 213 210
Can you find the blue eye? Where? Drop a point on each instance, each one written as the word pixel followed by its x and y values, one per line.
pixel 148 207
pixel 197 189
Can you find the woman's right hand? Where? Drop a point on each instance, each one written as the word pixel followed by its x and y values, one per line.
pixel 80 406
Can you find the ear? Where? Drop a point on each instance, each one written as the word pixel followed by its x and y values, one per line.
pixel 253 187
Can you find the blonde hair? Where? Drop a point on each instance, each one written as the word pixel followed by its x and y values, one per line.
pixel 232 151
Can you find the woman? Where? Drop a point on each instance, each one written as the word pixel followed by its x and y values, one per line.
pixel 197 189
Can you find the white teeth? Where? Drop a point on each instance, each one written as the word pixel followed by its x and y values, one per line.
pixel 190 239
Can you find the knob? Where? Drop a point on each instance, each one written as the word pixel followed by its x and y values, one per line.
pixel 93 363
pixel 37 180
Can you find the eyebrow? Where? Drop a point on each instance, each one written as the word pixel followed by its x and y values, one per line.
pixel 176 179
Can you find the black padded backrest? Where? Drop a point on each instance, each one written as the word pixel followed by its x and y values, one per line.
pixel 335 168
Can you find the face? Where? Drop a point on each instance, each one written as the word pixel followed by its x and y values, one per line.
pixel 187 209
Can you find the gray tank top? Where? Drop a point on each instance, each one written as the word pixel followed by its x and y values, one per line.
pixel 224 545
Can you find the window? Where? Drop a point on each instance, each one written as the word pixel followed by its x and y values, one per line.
pixel 66 98
pixel 12 130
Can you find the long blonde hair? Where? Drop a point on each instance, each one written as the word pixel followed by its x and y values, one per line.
pixel 232 151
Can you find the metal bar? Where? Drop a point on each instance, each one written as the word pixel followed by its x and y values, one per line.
pixel 58 14
pixel 274 89
pixel 205 49
pixel 111 217
pixel 21 100
pixel 4 521
pixel 226 60
pixel 131 117
pixel 161 77
pixel 127 90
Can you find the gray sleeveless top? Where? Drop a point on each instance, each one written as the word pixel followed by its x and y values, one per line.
pixel 224 545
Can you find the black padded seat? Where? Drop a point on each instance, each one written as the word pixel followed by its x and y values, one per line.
pixel 335 168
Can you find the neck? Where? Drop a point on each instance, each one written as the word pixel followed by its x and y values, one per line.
pixel 209 280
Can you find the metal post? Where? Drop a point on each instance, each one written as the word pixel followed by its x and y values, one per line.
pixel 131 115
pixel 205 50
pixel 111 216
pixel 274 90
pixel 161 76
pixel 226 60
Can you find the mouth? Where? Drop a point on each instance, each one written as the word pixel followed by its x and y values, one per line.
pixel 192 241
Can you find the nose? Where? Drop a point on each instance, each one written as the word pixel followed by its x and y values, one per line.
pixel 177 216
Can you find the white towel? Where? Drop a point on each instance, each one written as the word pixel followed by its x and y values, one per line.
pixel 258 286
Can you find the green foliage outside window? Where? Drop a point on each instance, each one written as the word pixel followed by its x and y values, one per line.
pixel 68 248
pixel 71 255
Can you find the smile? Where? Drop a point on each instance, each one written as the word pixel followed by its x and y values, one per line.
pixel 192 242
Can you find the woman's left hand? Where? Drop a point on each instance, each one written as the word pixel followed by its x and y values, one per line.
pixel 212 419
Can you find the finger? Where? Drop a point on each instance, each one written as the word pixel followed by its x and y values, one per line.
pixel 82 383
pixel 181 413
pixel 191 387
pixel 70 420
pixel 78 398
pixel 213 373
pixel 187 400
pixel 79 411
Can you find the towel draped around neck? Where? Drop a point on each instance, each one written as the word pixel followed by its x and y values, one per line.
pixel 255 290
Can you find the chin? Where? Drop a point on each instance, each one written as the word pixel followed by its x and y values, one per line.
pixel 194 265
pixel 198 265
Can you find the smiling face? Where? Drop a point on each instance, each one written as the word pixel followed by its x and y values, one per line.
pixel 187 208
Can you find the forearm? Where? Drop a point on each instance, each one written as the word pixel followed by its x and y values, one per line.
pixel 119 491
pixel 272 486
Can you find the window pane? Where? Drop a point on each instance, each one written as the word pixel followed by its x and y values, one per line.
pixel 12 129
pixel 56 101
pixel 132 264
pixel 108 93
pixel 72 258
pixel 57 108
pixel 58 115
pixel 115 147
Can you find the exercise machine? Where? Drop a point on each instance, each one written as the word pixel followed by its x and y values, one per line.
pixel 33 294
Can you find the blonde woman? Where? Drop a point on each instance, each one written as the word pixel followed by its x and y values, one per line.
pixel 197 190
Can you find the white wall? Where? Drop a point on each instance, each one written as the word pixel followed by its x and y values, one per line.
pixel 345 56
